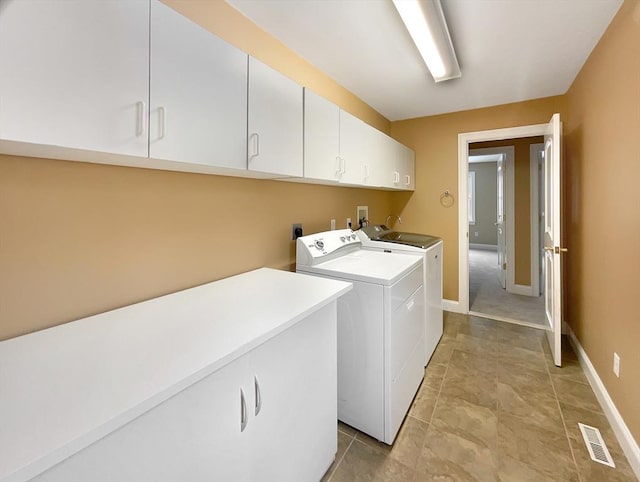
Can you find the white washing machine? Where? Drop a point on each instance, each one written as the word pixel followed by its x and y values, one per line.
pixel 380 328
pixel 381 238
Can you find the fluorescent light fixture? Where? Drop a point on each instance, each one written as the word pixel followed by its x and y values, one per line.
pixel 425 22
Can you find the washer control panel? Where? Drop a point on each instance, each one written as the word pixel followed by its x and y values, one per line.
pixel 323 244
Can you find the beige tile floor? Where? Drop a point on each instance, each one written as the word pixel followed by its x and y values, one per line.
pixel 492 407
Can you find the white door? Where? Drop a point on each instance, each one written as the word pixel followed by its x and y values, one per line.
pixel 198 93
pixel 500 225
pixel 275 122
pixel 552 237
pixel 75 74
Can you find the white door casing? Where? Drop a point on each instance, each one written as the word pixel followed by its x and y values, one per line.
pixel 552 237
pixel 502 258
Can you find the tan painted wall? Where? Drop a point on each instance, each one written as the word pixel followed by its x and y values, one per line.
pixel 435 140
pixel 522 202
pixel 78 239
pixel 602 209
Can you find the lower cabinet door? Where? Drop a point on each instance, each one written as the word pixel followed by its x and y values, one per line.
pixel 294 437
pixel 193 436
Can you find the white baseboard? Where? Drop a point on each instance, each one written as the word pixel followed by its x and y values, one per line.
pixel 508 320
pixel 450 305
pixel 487 247
pixel 624 436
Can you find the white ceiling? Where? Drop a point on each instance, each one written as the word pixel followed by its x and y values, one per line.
pixel 508 50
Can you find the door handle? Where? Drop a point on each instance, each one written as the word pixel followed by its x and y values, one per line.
pixel 256 386
pixel 243 411
pixel 140 111
pixel 556 249
pixel 162 122
pixel 256 145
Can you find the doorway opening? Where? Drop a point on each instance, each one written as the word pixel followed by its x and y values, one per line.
pixel 499 262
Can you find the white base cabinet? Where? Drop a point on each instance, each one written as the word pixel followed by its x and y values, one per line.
pixel 269 415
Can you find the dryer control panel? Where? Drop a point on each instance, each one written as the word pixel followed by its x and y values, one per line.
pixel 312 248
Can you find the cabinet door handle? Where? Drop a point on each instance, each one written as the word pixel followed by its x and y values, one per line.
pixel 162 122
pixel 140 124
pixel 256 386
pixel 255 137
pixel 338 167
pixel 407 178
pixel 396 177
pixel 243 411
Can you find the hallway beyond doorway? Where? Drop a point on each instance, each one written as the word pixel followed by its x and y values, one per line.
pixel 487 297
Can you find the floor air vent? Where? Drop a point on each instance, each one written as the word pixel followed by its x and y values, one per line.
pixel 596 446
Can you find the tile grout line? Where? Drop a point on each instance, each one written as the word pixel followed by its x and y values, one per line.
pixel 564 423
pixel 335 469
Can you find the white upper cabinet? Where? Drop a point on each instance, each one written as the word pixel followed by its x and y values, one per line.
pixel 382 159
pixel 275 122
pixel 321 138
pixel 198 93
pixel 405 168
pixel 75 73
pixel 356 139
pixel 399 171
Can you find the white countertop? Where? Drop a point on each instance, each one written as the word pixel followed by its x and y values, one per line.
pixel 65 387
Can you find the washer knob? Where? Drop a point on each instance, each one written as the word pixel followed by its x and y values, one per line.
pixel 342 239
pixel 353 236
pixel 319 244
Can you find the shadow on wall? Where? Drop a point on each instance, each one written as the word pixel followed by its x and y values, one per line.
pixel 572 267
pixel 399 201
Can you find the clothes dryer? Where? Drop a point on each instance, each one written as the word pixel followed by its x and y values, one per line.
pixel 380 237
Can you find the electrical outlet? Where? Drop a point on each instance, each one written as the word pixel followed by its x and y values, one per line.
pixel 333 224
pixel 616 364
pixel 475 233
pixel 296 231
pixel 348 223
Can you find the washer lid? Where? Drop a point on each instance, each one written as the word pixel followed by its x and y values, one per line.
pixel 369 266
pixel 411 239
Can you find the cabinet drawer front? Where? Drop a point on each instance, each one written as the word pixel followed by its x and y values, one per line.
pixel 405 287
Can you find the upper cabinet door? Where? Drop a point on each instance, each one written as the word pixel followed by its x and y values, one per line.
pixel 406 168
pixel 198 93
pixel 321 138
pixel 275 122
pixel 355 142
pixel 75 74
